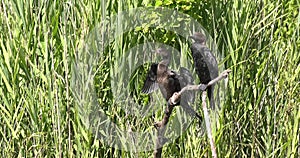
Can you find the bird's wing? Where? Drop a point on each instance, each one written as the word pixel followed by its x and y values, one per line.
pixel 211 62
pixel 150 83
pixel 187 97
pixel 186 78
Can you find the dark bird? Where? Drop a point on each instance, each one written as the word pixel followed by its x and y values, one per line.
pixel 159 76
pixel 205 63
pixel 168 81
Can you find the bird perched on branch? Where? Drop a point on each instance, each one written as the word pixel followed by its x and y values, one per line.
pixel 168 81
pixel 159 76
pixel 205 63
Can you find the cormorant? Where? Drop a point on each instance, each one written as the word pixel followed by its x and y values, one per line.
pixel 205 63
pixel 169 82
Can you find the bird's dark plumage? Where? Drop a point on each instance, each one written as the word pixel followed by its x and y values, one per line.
pixel 150 84
pixel 205 63
pixel 159 76
pixel 169 82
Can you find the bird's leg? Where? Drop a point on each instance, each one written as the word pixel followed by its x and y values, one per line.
pixel 175 98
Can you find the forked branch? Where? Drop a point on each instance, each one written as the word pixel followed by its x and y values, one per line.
pixel 161 126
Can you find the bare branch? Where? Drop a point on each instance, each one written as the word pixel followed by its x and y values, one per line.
pixel 208 127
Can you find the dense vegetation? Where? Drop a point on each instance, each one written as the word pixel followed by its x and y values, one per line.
pixel 40 40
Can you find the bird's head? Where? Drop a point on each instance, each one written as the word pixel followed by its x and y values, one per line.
pixel 165 54
pixel 198 37
pixel 162 52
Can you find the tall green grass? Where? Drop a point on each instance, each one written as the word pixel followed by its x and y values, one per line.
pixel 40 40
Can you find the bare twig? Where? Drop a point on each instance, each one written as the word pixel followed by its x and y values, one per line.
pixel 208 127
pixel 161 126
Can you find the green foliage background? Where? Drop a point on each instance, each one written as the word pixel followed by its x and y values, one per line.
pixel 39 40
